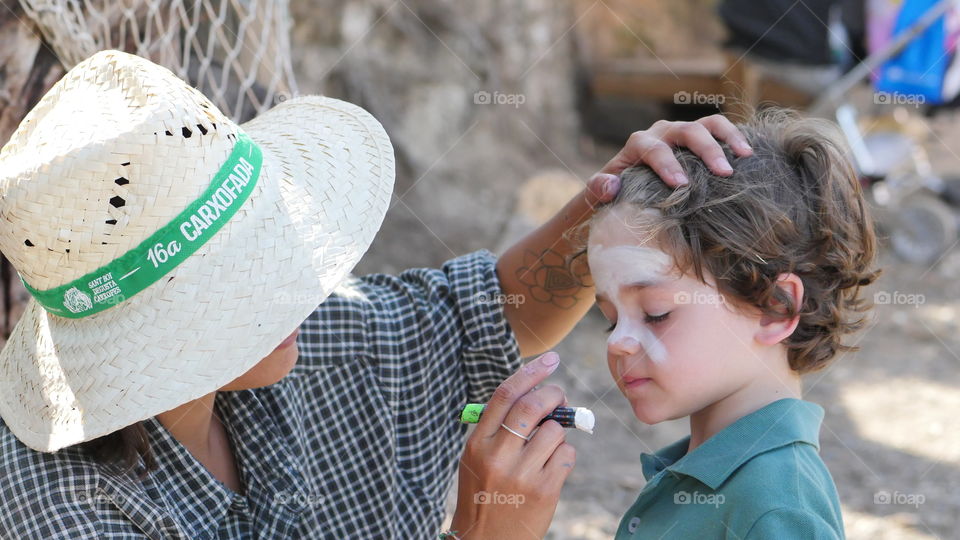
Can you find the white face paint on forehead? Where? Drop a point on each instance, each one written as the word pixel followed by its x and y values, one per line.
pixel 613 268
pixel 616 266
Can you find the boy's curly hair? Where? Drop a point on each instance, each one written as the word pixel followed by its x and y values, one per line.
pixel 795 205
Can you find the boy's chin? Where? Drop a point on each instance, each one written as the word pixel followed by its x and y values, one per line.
pixel 650 415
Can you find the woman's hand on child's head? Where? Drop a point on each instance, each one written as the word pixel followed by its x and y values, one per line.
pixel 654 147
pixel 509 487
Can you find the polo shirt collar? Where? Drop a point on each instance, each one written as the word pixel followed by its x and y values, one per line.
pixel 778 424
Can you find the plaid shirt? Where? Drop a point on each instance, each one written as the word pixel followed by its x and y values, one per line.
pixel 360 440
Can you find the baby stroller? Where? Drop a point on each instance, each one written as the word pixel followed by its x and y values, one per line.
pixel 911 64
pixel 914 206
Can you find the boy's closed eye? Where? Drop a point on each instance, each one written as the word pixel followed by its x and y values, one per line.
pixel 649 319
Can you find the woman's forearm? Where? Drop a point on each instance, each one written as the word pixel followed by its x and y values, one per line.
pixel 544 297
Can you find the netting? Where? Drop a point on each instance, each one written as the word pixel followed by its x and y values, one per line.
pixel 237 52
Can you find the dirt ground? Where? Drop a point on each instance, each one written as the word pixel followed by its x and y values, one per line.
pixel 891 436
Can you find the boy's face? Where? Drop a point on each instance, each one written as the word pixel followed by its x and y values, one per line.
pixel 675 347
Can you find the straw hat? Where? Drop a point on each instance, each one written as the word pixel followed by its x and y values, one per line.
pixel 168 249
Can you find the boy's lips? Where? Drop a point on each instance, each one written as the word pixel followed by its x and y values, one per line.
pixel 635 382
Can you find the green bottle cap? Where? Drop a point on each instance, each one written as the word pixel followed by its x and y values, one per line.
pixel 471 413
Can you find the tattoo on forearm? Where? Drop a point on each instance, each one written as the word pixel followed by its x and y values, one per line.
pixel 550 280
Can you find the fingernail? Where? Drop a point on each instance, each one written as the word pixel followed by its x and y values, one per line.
pixel 722 164
pixel 742 145
pixel 612 185
pixel 550 359
pixel 680 179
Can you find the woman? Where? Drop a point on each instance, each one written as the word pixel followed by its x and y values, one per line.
pixel 173 375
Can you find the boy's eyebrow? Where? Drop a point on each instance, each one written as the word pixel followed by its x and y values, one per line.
pixel 636 285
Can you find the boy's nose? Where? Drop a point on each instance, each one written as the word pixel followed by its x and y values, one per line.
pixel 622 345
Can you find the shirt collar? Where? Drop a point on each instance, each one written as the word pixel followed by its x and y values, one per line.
pixel 778 424
pixel 197 500
pixel 268 456
pixel 181 494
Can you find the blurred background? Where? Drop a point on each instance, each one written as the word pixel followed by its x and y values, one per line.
pixel 500 110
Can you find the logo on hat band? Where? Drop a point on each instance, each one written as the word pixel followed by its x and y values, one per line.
pixel 165 249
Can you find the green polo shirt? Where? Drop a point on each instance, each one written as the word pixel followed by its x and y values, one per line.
pixel 760 477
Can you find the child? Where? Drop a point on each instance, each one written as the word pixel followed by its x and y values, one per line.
pixel 721 294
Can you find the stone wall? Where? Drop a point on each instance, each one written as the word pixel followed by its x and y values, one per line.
pixel 476 96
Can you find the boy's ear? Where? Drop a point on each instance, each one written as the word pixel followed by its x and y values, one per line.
pixel 775 329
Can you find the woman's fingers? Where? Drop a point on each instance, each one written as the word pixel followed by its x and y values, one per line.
pixel 560 465
pixel 654 147
pixel 511 390
pixel 700 141
pixel 526 413
pixel 498 461
pixel 542 445
pixel 724 130
pixel 646 148
pixel 601 188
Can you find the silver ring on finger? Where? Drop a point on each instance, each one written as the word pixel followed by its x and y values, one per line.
pixel 524 437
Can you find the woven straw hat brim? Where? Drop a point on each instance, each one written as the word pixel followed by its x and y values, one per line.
pixel 324 188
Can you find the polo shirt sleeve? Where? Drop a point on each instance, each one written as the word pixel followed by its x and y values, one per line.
pixel 792 523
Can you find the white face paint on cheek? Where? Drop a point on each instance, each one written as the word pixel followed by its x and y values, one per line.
pixel 615 267
pixel 629 329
